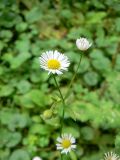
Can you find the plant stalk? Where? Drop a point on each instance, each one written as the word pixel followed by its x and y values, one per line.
pixel 73 78
pixel 63 102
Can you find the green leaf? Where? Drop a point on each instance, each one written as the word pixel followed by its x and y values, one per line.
pixel 4 137
pixel 117 24
pixel 87 133
pixel 117 141
pixel 96 54
pixel 117 63
pixel 9 139
pixel 73 155
pixel 19 60
pixel 91 78
pixel 23 86
pixel 4 154
pixel 33 15
pixel 23 45
pixel 43 141
pixel 24 101
pixel 39 77
pixel 21 26
pixel 65 13
pixel 13 120
pixel 18 121
pixel 102 64
pixel 6 34
pixel 95 17
pixel 83 66
pixel 14 139
pixel 38 97
pixel 6 90
pixel 40 129
pixel 73 130
pixel 19 154
pixel 73 34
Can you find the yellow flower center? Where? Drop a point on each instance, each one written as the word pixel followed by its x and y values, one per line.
pixel 66 143
pixel 53 64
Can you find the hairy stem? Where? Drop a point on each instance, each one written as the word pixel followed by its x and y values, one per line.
pixel 73 78
pixel 63 110
pixel 63 102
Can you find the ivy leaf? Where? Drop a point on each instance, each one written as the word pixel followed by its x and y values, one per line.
pixel 38 97
pixel 23 86
pixel 91 78
pixel 40 129
pixel 33 15
pixel 87 133
pixel 19 154
pixel 17 61
pixel 43 141
pixel 6 90
pixel 14 139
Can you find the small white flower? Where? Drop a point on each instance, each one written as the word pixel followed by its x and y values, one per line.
pixel 66 143
pixel 37 158
pixel 83 44
pixel 54 62
pixel 111 156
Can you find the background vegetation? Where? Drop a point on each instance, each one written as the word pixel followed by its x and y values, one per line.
pixel 29 27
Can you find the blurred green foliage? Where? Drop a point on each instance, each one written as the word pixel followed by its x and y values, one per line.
pixel 29 27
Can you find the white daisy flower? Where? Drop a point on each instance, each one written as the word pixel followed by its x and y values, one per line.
pixel 83 44
pixel 66 143
pixel 54 62
pixel 37 158
pixel 111 156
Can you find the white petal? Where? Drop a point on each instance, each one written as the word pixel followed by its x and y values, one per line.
pixel 83 44
pixel 58 72
pixel 59 139
pixel 73 146
pixel 53 71
pixel 65 151
pixel 72 139
pixel 59 148
pixel 56 54
pixel 58 144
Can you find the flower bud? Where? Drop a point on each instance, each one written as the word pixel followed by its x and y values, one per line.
pixel 47 114
pixel 37 158
pixel 83 44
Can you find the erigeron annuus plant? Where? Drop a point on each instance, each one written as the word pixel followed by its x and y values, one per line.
pixel 57 63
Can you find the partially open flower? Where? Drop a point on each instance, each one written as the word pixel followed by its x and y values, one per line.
pixel 111 156
pixel 66 143
pixel 37 158
pixel 83 44
pixel 54 62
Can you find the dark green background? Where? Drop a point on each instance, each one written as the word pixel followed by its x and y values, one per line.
pixel 27 29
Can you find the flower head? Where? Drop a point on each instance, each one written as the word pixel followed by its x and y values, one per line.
pixel 54 62
pixel 66 143
pixel 111 156
pixel 83 44
pixel 37 158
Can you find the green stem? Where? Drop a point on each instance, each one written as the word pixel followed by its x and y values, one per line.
pixel 63 111
pixel 63 101
pixel 73 78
